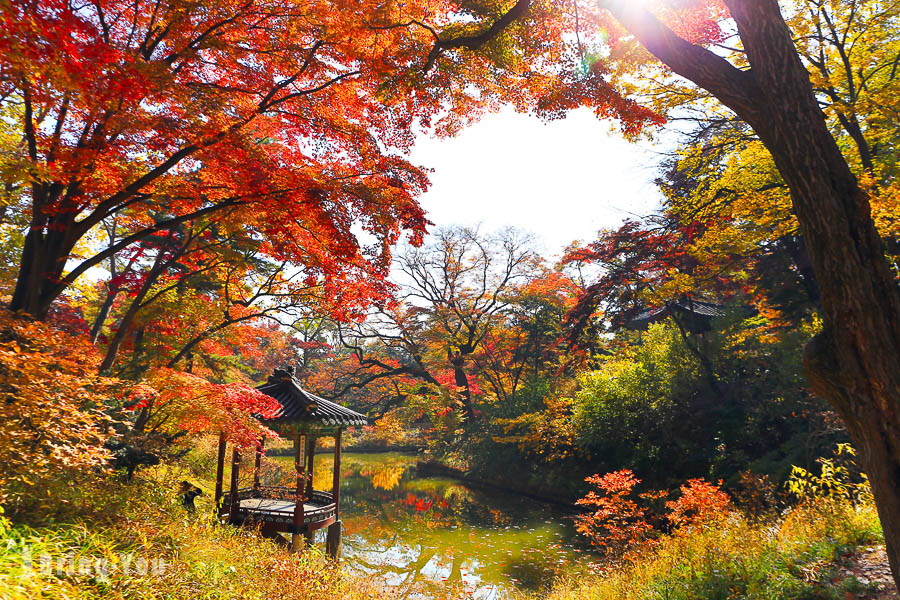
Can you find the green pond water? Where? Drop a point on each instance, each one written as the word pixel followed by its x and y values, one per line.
pixel 429 536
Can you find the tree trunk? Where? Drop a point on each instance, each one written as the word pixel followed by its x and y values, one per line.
pixel 40 269
pixel 855 362
pixel 457 361
pixel 159 265
pixel 103 313
pixel 112 288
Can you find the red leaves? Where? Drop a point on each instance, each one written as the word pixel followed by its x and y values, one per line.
pixel 592 89
pixel 697 21
pixel 619 524
pixel 421 504
pixel 241 115
pixel 642 265
pixel 699 501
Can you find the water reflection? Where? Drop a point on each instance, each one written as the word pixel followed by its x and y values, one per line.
pixel 430 537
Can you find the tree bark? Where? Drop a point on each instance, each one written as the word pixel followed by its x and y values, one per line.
pixel 40 270
pixel 854 362
pixel 458 361
pixel 103 313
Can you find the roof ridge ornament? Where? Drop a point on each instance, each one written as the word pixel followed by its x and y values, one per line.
pixel 280 375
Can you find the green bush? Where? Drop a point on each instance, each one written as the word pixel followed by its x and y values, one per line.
pixel 655 408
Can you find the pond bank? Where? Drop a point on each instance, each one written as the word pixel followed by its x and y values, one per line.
pixel 434 467
pixel 437 468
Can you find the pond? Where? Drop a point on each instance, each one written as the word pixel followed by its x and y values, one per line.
pixel 429 537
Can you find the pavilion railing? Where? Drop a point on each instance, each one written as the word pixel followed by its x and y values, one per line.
pixel 323 502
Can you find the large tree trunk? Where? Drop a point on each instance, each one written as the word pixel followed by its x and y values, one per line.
pixel 41 267
pixel 855 362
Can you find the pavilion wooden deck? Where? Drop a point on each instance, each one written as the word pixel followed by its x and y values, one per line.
pixel 273 509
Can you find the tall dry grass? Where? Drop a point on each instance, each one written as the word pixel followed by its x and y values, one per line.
pixel 793 558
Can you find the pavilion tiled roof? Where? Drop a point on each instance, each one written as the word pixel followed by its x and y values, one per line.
pixel 299 405
pixel 698 309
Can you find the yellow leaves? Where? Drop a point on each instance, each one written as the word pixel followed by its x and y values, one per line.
pixel 390 428
pixel 549 433
pixel 49 420
pixel 838 479
pixel 885 205
pixel 676 285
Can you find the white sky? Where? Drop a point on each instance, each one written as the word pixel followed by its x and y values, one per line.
pixel 562 181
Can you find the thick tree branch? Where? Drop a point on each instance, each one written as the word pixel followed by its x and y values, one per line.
pixel 735 88
pixel 473 42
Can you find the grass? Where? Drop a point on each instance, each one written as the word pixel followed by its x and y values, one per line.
pixel 795 558
pixel 118 555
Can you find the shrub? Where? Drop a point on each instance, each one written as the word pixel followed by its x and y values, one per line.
pixel 838 479
pixel 202 559
pixel 723 554
pixel 51 420
pixel 700 501
pixel 755 495
pixel 617 524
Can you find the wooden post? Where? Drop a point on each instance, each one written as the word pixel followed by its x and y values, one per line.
pixel 333 535
pixel 333 540
pixel 259 451
pixel 296 537
pixel 220 471
pixel 310 457
pixel 336 482
pixel 235 470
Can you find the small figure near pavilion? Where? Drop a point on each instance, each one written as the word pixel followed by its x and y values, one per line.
pixel 298 510
pixel 188 493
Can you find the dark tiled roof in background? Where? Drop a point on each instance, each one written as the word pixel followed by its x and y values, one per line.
pixel 299 405
pixel 697 308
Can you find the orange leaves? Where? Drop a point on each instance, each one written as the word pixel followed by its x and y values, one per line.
pixel 178 401
pixel 615 483
pixel 286 118
pixel 50 422
pixel 699 501
pixel 697 21
pixel 617 523
pixel 263 116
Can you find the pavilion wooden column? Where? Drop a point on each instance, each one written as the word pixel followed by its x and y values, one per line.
pixel 310 457
pixel 310 536
pixel 296 536
pixel 235 471
pixel 333 536
pixel 336 482
pixel 220 471
pixel 259 451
